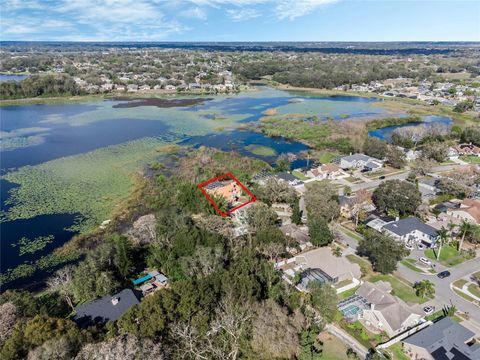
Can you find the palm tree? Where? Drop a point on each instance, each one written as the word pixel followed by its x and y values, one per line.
pixel 424 288
pixel 337 251
pixel 465 228
pixel 442 240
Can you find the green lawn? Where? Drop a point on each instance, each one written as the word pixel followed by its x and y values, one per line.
pixel 459 283
pixel 449 255
pixel 397 353
pixel 471 159
pixel 400 288
pixel 299 175
pixel 474 289
pixel 351 233
pixel 409 263
pixel 333 348
pixel 347 293
pixel 325 157
pixel 463 295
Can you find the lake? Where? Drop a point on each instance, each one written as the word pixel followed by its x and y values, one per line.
pixel 386 132
pixel 88 147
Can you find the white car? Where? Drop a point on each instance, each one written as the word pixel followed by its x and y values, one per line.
pixel 425 261
pixel 409 247
pixel 428 310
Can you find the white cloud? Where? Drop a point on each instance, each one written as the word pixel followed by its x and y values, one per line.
pixel 195 13
pixel 294 9
pixel 242 14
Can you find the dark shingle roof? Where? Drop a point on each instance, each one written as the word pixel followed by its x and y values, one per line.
pixel 405 226
pixel 286 176
pixel 103 310
pixel 216 185
pixel 445 339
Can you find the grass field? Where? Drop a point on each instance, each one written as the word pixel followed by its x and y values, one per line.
pixel 397 353
pixel 471 159
pixel 410 263
pixel 474 289
pixel 449 255
pixel 299 175
pixel 333 348
pixel 463 295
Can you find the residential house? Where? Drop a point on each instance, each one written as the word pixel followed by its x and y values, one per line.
pixel 360 162
pixel 298 233
pixel 349 205
pixel 431 185
pixel 321 266
pixel 229 190
pixel 326 171
pixel 119 87
pixel 262 178
pixel 288 178
pixel 411 230
pixel 445 339
pixel 469 210
pixel 170 87
pixel 386 312
pixel 107 308
pixel 467 149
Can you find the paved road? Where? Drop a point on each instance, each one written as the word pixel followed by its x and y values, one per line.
pixel 444 295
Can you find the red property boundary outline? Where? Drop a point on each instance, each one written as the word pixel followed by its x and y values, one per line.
pixel 221 213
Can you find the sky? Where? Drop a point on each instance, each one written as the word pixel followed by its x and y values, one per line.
pixel 240 20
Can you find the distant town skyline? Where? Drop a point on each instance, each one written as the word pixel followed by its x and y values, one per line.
pixel 240 20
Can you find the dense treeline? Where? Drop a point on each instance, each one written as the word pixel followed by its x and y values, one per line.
pixel 39 85
pixel 226 300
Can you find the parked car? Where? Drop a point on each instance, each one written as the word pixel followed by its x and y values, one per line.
pixel 428 310
pixel 425 261
pixel 409 246
pixel 382 177
pixel 443 274
pixel 420 246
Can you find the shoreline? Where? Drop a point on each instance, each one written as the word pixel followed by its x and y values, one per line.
pixel 110 95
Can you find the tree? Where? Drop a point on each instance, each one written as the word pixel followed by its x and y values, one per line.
pixel 442 240
pixel 296 213
pixel 123 253
pixel 396 157
pixel 465 228
pixel 383 251
pixel 7 320
pixel 266 340
pixel 260 216
pixel 347 190
pixel 437 151
pixel 323 298
pixel 61 282
pixel 282 164
pixel 337 251
pixel 321 200
pixel 361 199
pixel 471 134
pixel 276 191
pixel 424 288
pixel 397 195
pixel 375 147
pixel 320 234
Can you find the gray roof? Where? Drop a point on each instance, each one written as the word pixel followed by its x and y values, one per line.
pixel 262 175
pixel 357 157
pixel 405 226
pixel 372 165
pixel 103 310
pixel 286 176
pixel 446 339
pixel 216 185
